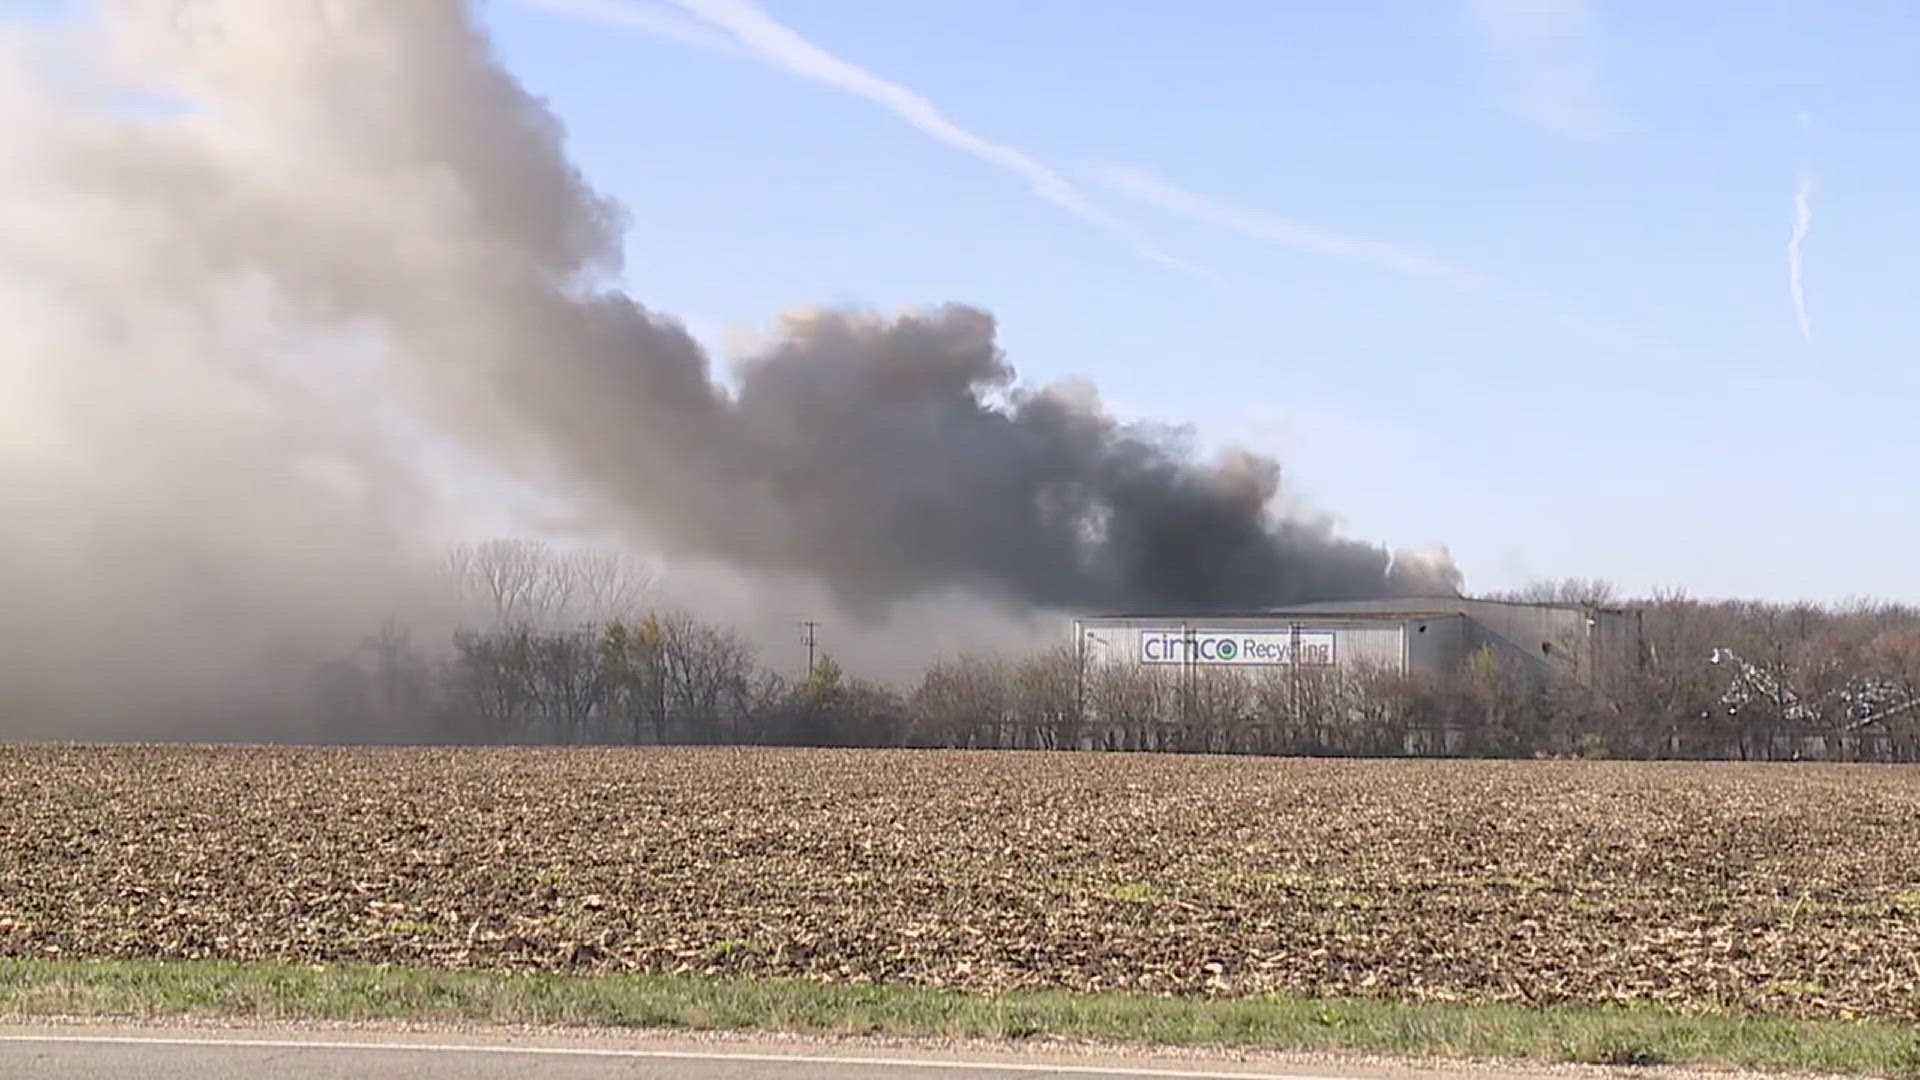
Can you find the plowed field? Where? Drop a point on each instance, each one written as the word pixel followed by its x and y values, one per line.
pixel 1781 889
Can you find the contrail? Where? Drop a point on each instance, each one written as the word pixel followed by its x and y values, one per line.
pixel 1151 190
pixel 1802 223
pixel 1385 255
pixel 758 33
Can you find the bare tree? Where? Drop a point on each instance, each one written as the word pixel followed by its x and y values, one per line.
pixel 529 582
pixel 1127 703
pixel 708 671
pixel 1772 658
pixel 766 694
pixel 567 680
pixel 1505 707
pixel 963 702
pixel 1594 592
pixel 1712 679
pixel 1893 659
pixel 492 678
pixel 510 577
pixel 1368 699
pixel 1303 711
pixel 607 583
pixel 1673 702
pixel 870 715
pixel 1047 690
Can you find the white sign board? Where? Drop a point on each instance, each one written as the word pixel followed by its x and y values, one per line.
pixel 1239 648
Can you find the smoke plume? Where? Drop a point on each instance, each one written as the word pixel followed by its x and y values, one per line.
pixel 250 251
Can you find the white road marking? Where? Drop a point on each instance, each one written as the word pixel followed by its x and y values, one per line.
pixel 674 1055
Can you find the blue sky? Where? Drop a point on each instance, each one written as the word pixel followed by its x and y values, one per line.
pixel 1597 368
pixel 1510 276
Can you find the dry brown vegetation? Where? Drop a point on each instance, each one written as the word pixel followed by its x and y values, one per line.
pixel 564 649
pixel 1780 889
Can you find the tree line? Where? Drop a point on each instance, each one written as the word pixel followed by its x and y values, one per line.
pixel 564 648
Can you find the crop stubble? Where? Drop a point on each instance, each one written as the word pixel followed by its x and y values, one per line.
pixel 1789 890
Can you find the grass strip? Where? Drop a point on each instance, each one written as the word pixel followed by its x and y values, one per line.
pixel 150 989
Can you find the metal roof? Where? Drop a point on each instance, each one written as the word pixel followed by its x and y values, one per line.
pixel 1385 607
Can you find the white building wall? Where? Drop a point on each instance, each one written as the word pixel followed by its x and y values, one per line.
pixel 1414 635
pixel 1370 643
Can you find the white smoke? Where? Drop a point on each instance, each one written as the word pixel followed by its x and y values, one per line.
pixel 249 250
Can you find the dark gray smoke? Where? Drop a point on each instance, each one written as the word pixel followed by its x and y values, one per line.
pixel 247 247
pixel 900 453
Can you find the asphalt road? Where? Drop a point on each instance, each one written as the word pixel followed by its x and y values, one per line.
pixel 73 1053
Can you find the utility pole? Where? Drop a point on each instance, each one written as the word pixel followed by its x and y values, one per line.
pixel 1293 685
pixel 810 640
pixel 1080 633
pixel 1186 680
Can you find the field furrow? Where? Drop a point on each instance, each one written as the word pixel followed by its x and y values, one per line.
pixel 1781 889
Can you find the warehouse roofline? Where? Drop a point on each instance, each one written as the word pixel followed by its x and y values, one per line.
pixel 1399 607
pixel 1268 613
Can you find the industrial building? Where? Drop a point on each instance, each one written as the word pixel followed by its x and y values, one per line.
pixel 1413 636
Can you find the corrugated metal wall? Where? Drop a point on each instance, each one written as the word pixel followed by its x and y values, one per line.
pixel 1373 643
pixel 1588 643
pixel 1436 644
pixel 1547 640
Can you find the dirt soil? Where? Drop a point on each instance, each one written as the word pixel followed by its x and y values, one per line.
pixel 1783 889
